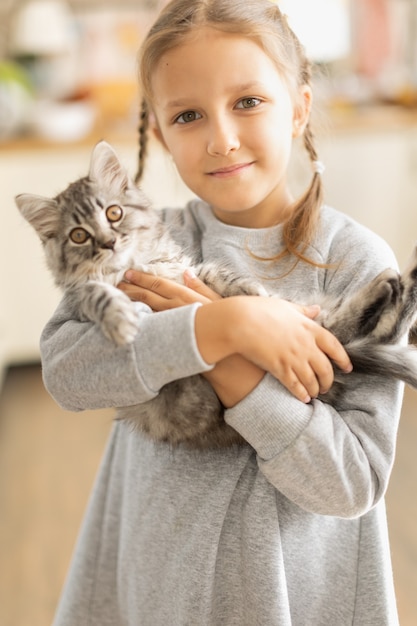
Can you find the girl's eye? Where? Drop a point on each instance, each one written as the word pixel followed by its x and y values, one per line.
pixel 188 116
pixel 114 213
pixel 248 103
pixel 79 235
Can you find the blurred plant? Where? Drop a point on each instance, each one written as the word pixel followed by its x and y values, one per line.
pixel 16 97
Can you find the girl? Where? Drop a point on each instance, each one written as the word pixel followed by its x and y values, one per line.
pixel 290 528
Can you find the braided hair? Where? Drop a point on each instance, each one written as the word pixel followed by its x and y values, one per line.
pixel 143 138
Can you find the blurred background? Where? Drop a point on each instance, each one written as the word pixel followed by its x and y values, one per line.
pixel 68 79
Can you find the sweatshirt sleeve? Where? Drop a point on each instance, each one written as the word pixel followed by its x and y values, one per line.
pixel 84 370
pixel 327 461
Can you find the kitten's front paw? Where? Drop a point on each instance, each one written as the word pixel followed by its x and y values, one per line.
pixel 120 322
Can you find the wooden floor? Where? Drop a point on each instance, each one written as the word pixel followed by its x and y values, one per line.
pixel 48 459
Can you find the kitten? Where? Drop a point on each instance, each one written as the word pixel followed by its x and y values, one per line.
pixel 103 224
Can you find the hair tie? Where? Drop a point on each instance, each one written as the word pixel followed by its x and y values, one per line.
pixel 318 167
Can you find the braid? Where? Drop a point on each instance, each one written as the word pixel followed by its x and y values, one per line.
pixel 143 138
pixel 300 227
pixel 309 141
pixel 316 188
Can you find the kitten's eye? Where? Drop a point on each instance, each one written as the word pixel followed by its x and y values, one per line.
pixel 79 235
pixel 114 213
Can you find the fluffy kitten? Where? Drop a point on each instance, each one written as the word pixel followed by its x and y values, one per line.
pixel 103 224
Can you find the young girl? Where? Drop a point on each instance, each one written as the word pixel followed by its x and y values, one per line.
pixel 289 529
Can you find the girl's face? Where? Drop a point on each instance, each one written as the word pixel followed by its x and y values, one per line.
pixel 225 114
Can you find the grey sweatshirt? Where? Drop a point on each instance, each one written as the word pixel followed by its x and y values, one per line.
pixel 289 529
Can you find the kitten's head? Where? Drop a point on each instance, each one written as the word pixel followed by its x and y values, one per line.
pixel 89 230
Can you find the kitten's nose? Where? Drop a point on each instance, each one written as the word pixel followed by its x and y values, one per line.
pixel 109 245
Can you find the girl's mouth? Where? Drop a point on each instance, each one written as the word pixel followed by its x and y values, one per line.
pixel 229 172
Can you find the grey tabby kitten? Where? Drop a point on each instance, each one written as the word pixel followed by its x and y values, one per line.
pixel 103 224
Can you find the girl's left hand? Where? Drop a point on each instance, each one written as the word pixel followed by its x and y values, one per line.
pixel 161 294
pixel 234 377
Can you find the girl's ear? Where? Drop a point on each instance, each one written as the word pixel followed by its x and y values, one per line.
pixel 302 110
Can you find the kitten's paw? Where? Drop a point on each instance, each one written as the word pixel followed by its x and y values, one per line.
pixel 120 323
pixel 245 287
pixel 227 283
pixel 258 290
pixel 386 286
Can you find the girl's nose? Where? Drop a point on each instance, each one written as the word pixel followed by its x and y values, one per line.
pixel 223 139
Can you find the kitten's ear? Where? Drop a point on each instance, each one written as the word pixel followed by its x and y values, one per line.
pixel 40 212
pixel 106 168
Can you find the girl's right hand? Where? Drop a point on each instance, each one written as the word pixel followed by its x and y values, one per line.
pixel 277 336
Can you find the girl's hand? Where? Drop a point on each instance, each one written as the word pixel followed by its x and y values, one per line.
pixel 277 336
pixel 234 377
pixel 161 293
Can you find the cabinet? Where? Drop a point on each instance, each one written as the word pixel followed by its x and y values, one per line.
pixel 372 176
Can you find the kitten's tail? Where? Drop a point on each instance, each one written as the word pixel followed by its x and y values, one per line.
pixel 393 361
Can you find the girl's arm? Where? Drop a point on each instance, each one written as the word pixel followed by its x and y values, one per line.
pixel 274 335
pixel 233 377
pixel 328 460
pixel 246 336
pixel 84 370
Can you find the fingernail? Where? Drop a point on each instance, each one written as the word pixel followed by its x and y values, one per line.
pixel 349 368
pixel 129 274
pixel 307 399
pixel 190 273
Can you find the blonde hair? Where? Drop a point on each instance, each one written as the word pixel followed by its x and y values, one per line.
pixel 263 22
